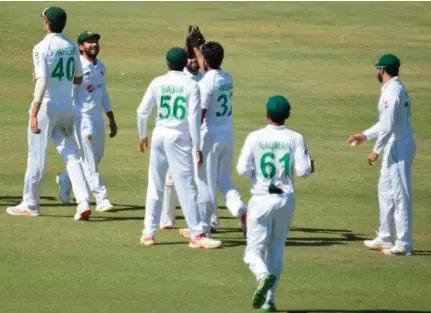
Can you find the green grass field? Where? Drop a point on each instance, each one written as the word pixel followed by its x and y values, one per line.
pixel 321 56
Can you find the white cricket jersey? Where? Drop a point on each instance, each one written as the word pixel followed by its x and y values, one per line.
pixel 270 155
pixel 57 58
pixel 196 77
pixel 177 99
pixel 394 116
pixel 91 96
pixel 216 89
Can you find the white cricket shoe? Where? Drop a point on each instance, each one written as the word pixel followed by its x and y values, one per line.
pixel 378 244
pixel 23 209
pixel 83 211
pixel 104 206
pixel 147 241
pixel 64 186
pixel 205 242
pixel 185 232
pixel 167 225
pixel 397 250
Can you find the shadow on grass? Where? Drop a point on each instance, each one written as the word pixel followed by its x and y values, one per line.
pixel 15 200
pixel 343 236
pixel 352 311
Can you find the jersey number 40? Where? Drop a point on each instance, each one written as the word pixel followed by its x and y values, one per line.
pixel 58 71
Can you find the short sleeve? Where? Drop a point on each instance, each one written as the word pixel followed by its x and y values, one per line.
pixel 40 62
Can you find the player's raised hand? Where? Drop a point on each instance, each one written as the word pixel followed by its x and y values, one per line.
pixel 195 38
pixel 34 125
pixel 356 139
pixel 199 159
pixel 143 143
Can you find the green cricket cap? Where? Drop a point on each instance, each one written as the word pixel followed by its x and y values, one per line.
pixel 176 56
pixel 278 105
pixel 55 16
pixel 84 36
pixel 388 60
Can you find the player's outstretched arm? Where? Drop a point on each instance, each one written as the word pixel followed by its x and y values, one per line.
pixel 194 40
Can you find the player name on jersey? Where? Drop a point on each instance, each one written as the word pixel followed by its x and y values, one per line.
pixel 172 89
pixel 225 87
pixel 61 52
pixel 273 145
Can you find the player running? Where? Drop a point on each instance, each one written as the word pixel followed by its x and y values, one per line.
pixel 90 102
pixel 56 67
pixel 394 139
pixel 216 89
pixel 176 138
pixel 269 157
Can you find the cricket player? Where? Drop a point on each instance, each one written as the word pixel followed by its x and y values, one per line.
pixel 91 100
pixel 56 67
pixel 167 220
pixel 176 138
pixel 394 141
pixel 269 157
pixel 216 88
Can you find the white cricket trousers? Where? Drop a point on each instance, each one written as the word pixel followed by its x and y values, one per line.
pixel 171 148
pixel 268 220
pixel 55 120
pixel 217 172
pixel 395 192
pixel 169 203
pixel 90 135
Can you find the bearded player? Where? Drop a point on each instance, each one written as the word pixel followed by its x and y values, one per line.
pixel 90 102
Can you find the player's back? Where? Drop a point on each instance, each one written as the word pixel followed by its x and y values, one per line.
pixel 402 124
pixel 61 55
pixel 216 89
pixel 175 95
pixel 277 153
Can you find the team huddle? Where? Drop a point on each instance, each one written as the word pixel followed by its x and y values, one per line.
pixel 191 149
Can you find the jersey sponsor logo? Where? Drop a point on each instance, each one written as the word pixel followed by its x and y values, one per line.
pixel 90 87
